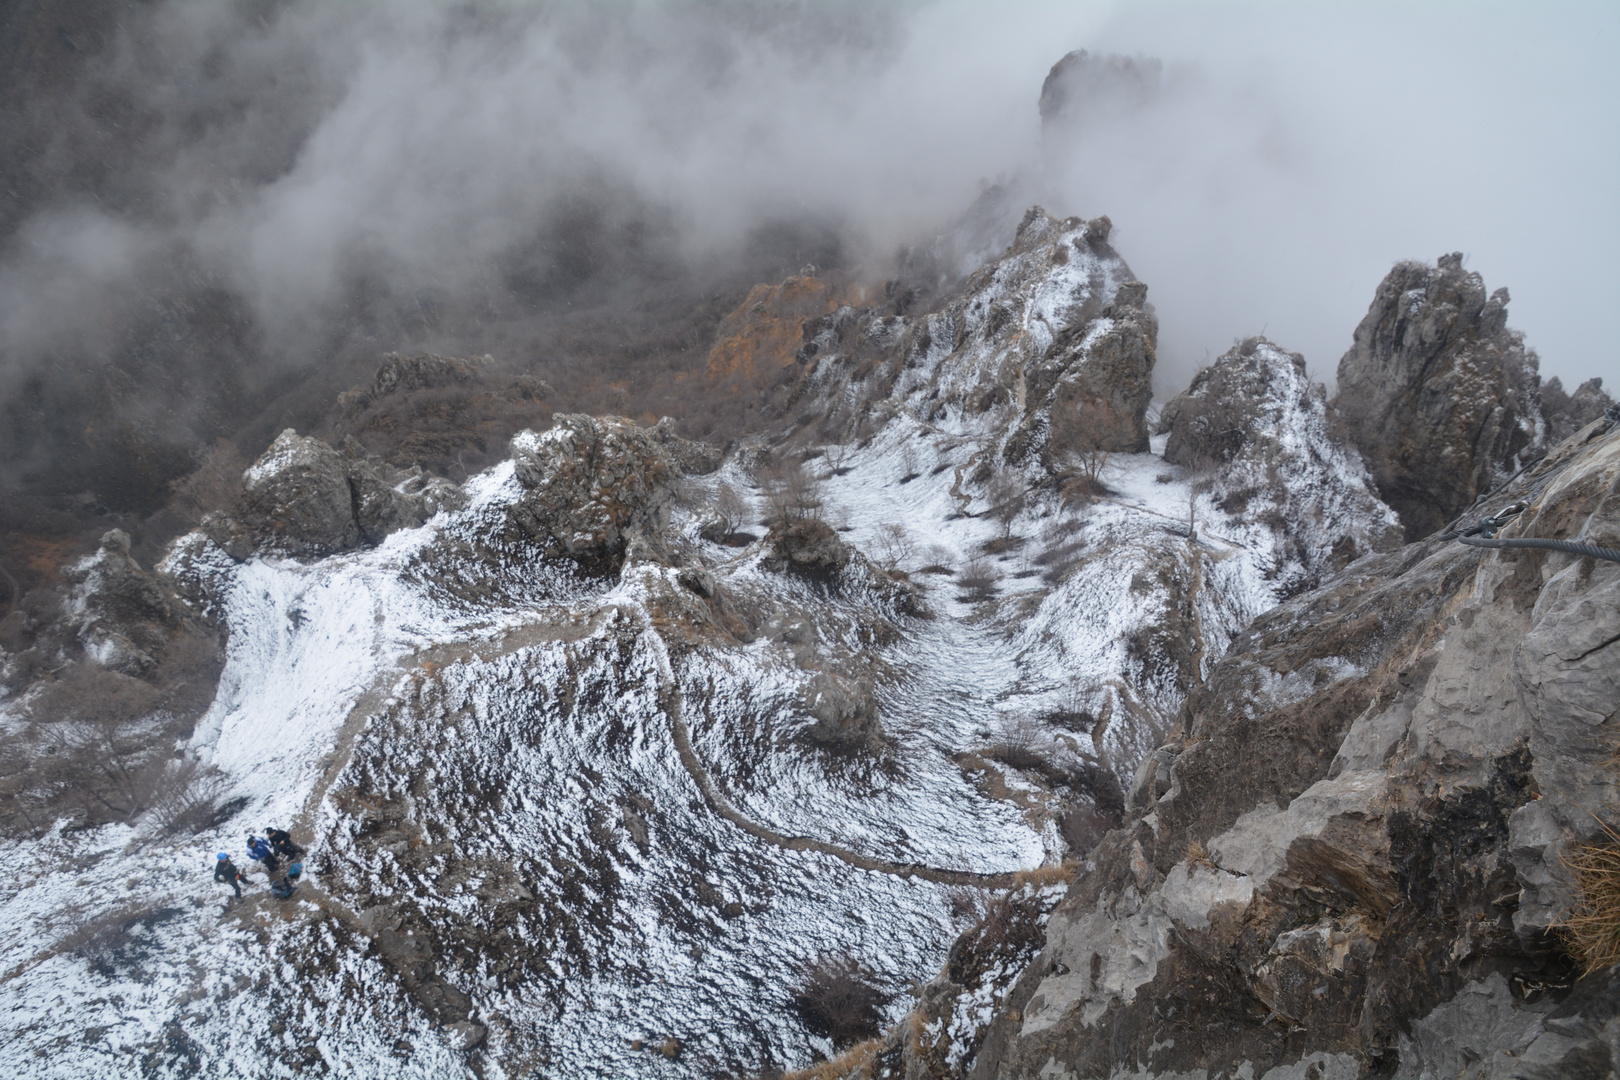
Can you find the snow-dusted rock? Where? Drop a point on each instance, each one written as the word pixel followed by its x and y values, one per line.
pixel 305 499
pixel 1255 429
pixel 808 546
pixel 1347 859
pixel 1437 393
pixel 123 615
pixel 591 485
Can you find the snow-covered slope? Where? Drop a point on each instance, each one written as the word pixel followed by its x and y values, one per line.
pixel 586 792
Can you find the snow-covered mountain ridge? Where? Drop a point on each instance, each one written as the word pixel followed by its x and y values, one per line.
pixel 590 778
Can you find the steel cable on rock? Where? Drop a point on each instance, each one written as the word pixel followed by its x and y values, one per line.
pixel 1551 545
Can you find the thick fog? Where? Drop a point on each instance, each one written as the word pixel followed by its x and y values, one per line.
pixel 298 155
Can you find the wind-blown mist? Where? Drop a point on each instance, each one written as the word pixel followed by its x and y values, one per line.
pixel 320 172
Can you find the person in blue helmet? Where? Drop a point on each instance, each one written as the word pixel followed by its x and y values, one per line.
pixel 225 871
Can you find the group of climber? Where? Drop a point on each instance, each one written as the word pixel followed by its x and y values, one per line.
pixel 268 850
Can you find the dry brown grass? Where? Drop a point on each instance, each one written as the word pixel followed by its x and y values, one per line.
pixel 1593 928
pixel 853 1064
pixel 1062 874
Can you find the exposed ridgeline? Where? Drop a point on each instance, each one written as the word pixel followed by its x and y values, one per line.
pixel 603 748
pixel 1350 858
pixel 1438 394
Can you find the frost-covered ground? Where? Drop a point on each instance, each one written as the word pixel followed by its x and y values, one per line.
pixel 571 826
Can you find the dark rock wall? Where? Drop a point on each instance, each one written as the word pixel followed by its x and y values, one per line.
pixel 1437 393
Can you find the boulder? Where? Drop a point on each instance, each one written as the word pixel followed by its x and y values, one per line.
pixel 808 546
pixel 1437 393
pixel 591 485
pixel 296 499
pixel 844 711
pixel 305 499
pixel 123 615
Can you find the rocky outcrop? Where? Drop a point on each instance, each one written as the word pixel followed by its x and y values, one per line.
pixel 808 546
pixel 1566 413
pixel 1049 348
pixel 124 616
pixel 446 415
pixel 1256 433
pixel 305 499
pixel 1437 393
pixel 1349 860
pixel 1098 379
pixel 1085 89
pixel 695 457
pixel 844 713
pixel 591 485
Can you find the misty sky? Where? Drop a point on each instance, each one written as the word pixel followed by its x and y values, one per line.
pixel 1293 152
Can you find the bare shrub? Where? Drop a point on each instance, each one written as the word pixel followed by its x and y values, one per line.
pixel 1082 473
pixel 894 546
pixel 214 485
pixel 840 998
pixel 978 579
pixel 1018 744
pixel 791 493
pixel 730 508
pixel 187 797
pixel 1006 497
pixel 120 942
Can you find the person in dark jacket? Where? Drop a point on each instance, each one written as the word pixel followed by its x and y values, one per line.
pixel 225 871
pixel 281 843
pixel 283 888
pixel 260 852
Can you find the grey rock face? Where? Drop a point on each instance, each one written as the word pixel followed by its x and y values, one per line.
pixel 124 616
pixel 1102 378
pixel 1348 859
pixel 399 374
pixel 1437 393
pixel 305 499
pixel 810 547
pixel 845 713
pixel 591 485
pixel 296 498
pixel 1567 413
pixel 696 458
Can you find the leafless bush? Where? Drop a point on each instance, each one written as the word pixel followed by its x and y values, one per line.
pixel 730 508
pixel 978 579
pixel 791 492
pixel 120 942
pixel 894 546
pixel 1018 744
pixel 1005 494
pixel 840 998
pixel 187 799
pixel 1082 473
pixel 100 748
pixel 213 485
